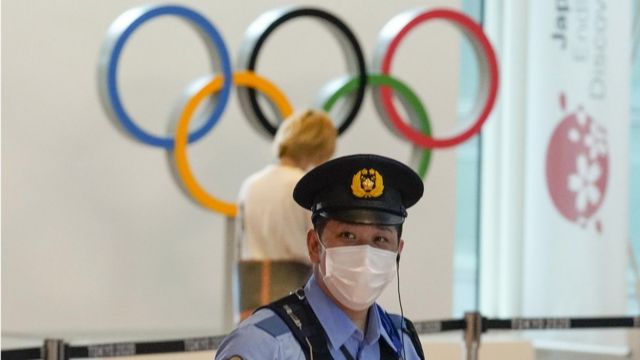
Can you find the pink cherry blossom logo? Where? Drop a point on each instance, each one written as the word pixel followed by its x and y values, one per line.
pixel 578 167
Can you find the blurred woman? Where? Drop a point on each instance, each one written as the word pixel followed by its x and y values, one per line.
pixel 273 256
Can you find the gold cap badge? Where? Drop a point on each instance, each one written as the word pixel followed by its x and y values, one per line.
pixel 367 183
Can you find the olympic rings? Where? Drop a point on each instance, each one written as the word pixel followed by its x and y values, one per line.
pixel 246 78
pixel 408 98
pixel 391 35
pixel 257 34
pixel 353 86
pixel 117 36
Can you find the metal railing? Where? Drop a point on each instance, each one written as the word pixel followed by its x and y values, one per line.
pixel 473 326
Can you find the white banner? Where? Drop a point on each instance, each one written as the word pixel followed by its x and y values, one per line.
pixel 577 143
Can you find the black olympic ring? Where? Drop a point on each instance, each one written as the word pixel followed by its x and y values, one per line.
pixel 265 25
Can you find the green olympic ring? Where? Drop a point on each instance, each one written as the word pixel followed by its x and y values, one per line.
pixel 417 113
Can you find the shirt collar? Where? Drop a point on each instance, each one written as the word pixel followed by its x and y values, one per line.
pixel 337 325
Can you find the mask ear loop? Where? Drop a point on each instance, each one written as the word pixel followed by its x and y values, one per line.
pixel 323 250
pixel 324 247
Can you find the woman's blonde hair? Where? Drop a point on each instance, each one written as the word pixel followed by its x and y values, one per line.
pixel 306 136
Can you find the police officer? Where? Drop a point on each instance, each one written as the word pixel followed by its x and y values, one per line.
pixel 358 205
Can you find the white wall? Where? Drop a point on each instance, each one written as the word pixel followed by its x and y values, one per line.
pixel 98 237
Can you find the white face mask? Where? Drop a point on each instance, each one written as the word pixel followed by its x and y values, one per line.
pixel 357 275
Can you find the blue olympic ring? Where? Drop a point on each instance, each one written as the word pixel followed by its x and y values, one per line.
pixel 120 31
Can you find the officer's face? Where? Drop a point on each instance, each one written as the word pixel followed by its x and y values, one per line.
pixel 337 233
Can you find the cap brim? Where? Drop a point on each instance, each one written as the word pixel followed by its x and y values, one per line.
pixel 363 216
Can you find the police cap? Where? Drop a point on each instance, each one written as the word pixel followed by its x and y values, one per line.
pixel 364 189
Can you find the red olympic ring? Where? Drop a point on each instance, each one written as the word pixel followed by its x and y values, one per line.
pixel 480 43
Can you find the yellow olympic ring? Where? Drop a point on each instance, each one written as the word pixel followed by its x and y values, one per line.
pixel 242 78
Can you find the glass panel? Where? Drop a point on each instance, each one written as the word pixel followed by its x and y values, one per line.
pixel 468 180
pixel 634 181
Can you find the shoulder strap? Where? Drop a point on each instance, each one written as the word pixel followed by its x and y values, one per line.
pixel 297 314
pixel 410 330
pixel 299 317
pixel 386 351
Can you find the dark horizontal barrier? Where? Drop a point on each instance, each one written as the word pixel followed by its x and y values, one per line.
pixel 212 343
pixel 22 354
pixel 437 326
pixel 145 348
pixel 560 323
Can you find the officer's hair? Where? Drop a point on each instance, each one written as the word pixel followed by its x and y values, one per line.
pixel 306 136
pixel 319 222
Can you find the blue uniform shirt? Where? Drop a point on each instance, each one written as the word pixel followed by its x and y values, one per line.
pixel 264 336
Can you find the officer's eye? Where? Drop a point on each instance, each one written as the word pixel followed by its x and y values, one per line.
pixel 347 235
pixel 381 240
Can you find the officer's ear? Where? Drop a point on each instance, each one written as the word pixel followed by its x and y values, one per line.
pixel 313 246
pixel 400 247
